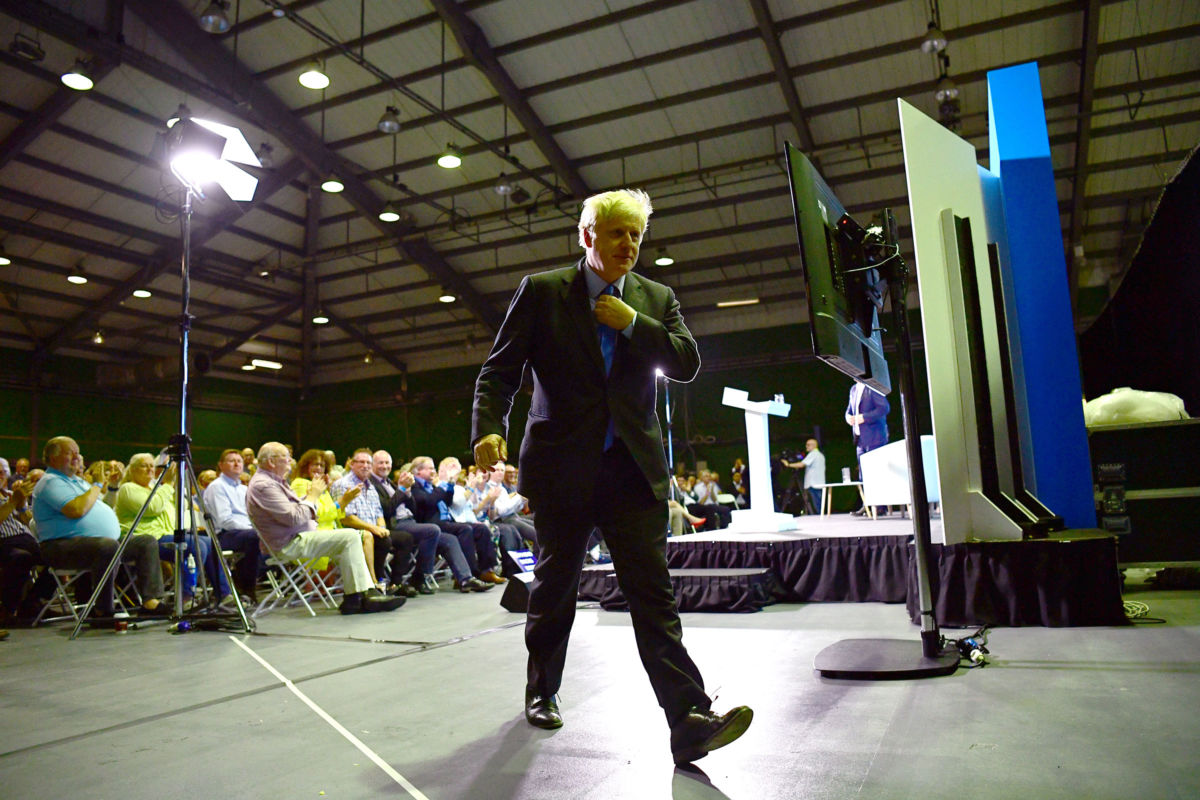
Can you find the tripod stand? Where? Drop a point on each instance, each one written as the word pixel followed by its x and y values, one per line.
pixel 180 457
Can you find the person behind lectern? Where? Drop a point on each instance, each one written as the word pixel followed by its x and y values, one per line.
pixel 592 456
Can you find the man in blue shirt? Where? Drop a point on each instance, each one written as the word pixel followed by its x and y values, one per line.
pixel 225 501
pixel 78 531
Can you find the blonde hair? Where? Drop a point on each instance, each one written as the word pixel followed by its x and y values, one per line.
pixel 633 204
pixel 421 461
pixel 135 459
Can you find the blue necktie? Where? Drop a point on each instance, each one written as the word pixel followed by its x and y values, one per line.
pixel 608 346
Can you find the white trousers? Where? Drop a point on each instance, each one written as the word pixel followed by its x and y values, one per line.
pixel 344 546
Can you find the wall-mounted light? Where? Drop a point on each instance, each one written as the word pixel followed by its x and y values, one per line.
pixel 445 296
pixel 451 159
pixel 79 77
pixel 390 121
pixel 213 20
pixel 313 77
pixel 663 259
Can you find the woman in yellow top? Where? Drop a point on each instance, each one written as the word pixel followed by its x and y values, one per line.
pixel 329 511
pixel 159 522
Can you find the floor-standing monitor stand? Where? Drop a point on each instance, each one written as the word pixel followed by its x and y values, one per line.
pixel 890 659
pixel 761 516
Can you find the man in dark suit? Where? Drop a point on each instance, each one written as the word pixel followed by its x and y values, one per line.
pixel 592 456
pixel 866 414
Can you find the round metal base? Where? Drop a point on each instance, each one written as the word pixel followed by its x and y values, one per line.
pixel 882 660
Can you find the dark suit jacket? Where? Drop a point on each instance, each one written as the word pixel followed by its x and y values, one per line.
pixel 873 431
pixel 551 327
pixel 425 502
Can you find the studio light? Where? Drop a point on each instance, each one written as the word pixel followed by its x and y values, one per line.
pixel 664 258
pixel 445 296
pixel 213 20
pixel 77 276
pixel 97 338
pixel 141 293
pixel 313 77
pixel 504 187
pixel 332 185
pixel 934 41
pixel 390 121
pixel 451 159
pixel 319 318
pixel 266 364
pixel 389 213
pixel 78 77
pixel 201 152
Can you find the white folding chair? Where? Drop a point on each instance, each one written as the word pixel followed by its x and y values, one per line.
pixel 290 580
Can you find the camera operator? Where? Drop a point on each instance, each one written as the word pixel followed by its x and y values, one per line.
pixel 813 465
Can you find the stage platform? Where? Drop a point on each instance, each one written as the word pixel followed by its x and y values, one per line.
pixel 1067 580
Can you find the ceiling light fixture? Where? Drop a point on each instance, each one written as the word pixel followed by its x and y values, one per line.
pixel 390 121
pixel 389 213
pixel 332 185
pixel 4 259
pixel 664 258
pixel 519 196
pixel 77 275
pixel 319 318
pixel 78 77
pixel 266 364
pixel 444 296
pixel 451 159
pixel 97 338
pixel 368 357
pixel 141 293
pixel 752 301
pixel 213 20
pixel 27 48
pixel 934 41
pixel 946 89
pixel 504 187
pixel 313 76
pixel 183 112
pixel 248 366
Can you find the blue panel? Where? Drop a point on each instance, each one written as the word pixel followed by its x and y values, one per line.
pixel 1044 324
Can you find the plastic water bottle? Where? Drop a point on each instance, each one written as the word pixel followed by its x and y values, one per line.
pixel 190 571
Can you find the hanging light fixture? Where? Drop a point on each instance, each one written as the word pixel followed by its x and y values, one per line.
pixel 79 77
pixel 504 187
pixel 266 363
pixel 97 338
pixel 389 213
pixel 368 357
pixel 332 185
pixel 4 259
pixel 664 258
pixel 248 365
pixel 77 275
pixel 183 112
pixel 390 121
pixel 141 293
pixel 319 318
pixel 313 77
pixel 934 41
pixel 445 296
pixel 451 159
pixel 213 20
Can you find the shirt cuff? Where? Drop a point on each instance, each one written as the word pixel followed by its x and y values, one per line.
pixel 627 331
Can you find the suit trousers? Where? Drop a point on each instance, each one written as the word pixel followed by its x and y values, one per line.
pixel 634 525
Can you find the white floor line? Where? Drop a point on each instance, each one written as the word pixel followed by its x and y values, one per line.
pixel 337 726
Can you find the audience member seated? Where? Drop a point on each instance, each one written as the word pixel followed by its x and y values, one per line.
pixel 429 502
pixel 158 521
pixel 505 508
pixel 19 553
pixel 205 477
pixel 364 512
pixel 289 525
pixel 20 471
pixel 471 504
pixel 706 505
pixel 225 501
pixel 78 532
pixel 399 519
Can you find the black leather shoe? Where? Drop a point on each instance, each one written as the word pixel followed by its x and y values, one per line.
pixel 421 588
pixel 542 712
pixel 701 731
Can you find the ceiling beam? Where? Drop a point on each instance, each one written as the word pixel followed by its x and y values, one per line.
pixel 274 319
pixel 787 85
pixel 1087 81
pixel 358 336
pixel 474 44
pixel 176 24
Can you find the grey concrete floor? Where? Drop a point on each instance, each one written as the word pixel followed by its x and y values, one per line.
pixel 435 702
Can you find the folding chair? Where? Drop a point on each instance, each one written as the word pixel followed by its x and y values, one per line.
pixel 294 575
pixel 64 579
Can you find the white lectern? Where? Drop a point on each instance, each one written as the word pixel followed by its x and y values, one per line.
pixel 761 515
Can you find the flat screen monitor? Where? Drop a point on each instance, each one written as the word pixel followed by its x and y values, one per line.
pixel 845 292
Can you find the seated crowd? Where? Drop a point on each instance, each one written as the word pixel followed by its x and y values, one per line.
pixel 384 531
